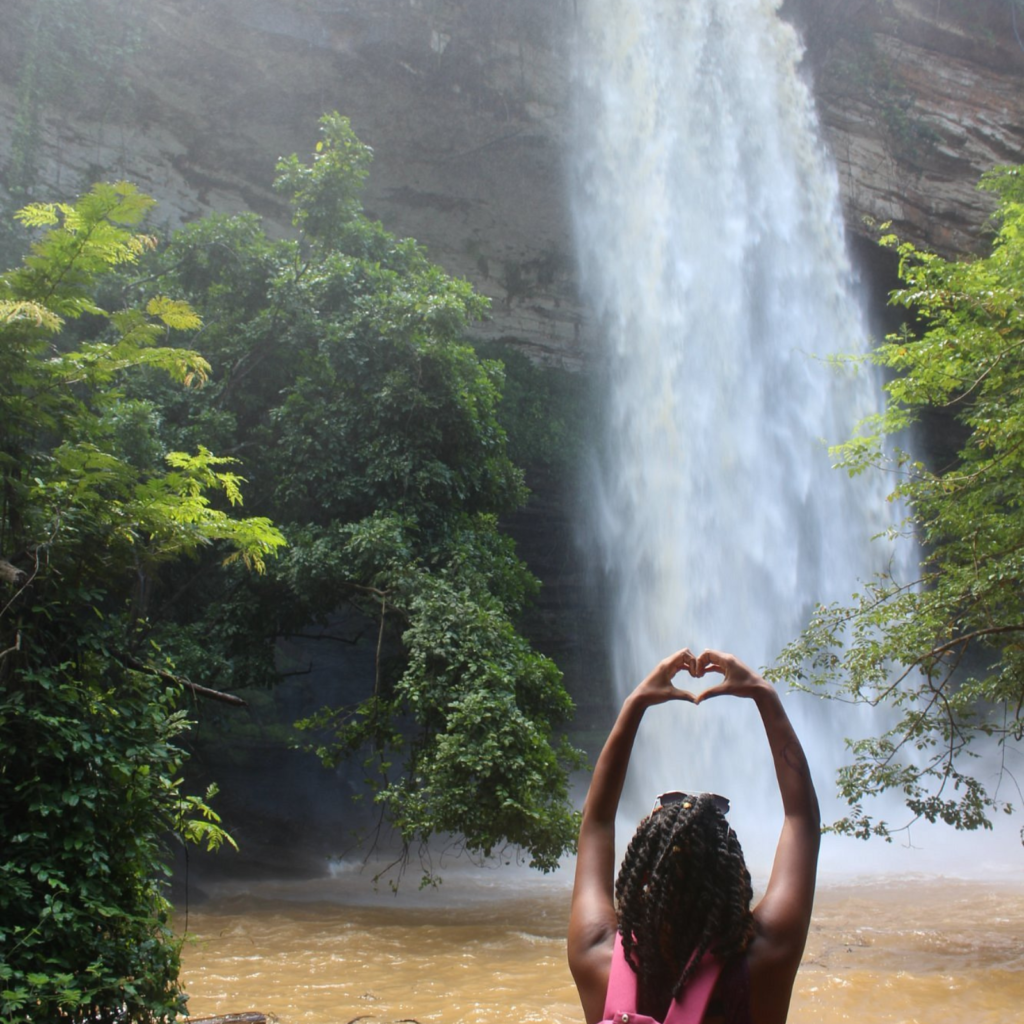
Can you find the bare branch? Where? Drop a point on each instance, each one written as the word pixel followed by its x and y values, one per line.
pixel 200 691
pixel 962 641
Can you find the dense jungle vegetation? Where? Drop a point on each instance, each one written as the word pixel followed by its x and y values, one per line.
pixel 326 382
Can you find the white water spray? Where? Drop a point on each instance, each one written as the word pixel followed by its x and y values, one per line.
pixel 712 253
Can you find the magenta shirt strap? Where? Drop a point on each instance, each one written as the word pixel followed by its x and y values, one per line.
pixel 622 983
pixel 688 1009
pixel 693 1001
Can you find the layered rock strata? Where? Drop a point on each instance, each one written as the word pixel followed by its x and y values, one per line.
pixel 467 104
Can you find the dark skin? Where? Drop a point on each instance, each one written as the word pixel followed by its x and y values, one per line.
pixel 783 915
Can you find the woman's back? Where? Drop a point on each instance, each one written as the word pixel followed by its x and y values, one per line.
pixel 684 891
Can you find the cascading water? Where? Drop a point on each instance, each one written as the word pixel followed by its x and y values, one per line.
pixel 712 253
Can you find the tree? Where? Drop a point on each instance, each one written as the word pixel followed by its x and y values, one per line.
pixel 90 712
pixel 369 430
pixel 945 648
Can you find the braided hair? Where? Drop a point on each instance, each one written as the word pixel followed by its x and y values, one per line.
pixel 683 889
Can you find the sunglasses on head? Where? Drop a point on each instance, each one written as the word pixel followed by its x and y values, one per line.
pixel 675 796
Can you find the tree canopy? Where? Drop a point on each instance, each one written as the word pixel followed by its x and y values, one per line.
pixel 327 378
pixel 368 428
pixel 941 647
pixel 90 712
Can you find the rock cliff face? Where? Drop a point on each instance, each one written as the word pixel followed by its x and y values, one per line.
pixel 467 104
pixel 917 99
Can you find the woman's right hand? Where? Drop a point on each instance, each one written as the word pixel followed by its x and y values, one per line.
pixel 783 915
pixel 658 688
pixel 740 680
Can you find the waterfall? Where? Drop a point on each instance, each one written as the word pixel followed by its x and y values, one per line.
pixel 712 254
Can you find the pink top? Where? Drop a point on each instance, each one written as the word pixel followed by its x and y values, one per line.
pixel 690 1007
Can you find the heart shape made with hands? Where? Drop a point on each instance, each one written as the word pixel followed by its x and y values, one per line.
pixel 733 675
pixel 696 698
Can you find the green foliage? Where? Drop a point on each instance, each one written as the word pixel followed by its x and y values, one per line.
pixel 90 787
pixel 473 714
pixel 944 650
pixel 544 411
pixel 89 716
pixel 489 771
pixel 325 194
pixel 371 430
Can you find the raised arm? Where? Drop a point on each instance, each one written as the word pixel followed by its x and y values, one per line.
pixel 784 914
pixel 592 921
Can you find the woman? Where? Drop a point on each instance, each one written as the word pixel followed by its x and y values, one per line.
pixel 684 939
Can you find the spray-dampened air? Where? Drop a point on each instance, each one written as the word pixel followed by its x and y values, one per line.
pixel 712 255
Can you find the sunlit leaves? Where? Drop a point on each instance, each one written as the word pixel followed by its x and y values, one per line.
pixel 93 509
pixel 174 313
pixel 83 239
pixel 33 313
pixel 176 512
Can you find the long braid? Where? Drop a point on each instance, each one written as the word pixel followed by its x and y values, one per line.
pixel 683 889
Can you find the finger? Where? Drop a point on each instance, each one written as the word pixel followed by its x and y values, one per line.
pixel 713 691
pixel 681 659
pixel 713 661
pixel 670 693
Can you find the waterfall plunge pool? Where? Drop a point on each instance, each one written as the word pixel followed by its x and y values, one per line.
pixel 489 946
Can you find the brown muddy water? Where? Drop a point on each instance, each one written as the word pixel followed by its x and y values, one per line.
pixel 488 948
